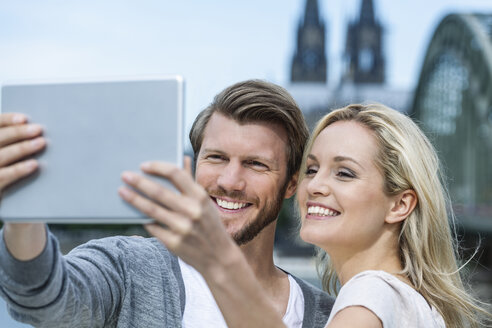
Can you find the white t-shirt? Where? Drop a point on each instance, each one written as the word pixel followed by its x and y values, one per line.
pixel 201 310
pixel 394 302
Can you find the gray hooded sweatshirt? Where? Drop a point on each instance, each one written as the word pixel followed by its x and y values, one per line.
pixel 110 282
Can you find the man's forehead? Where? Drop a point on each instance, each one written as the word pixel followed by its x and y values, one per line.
pixel 227 125
pixel 255 139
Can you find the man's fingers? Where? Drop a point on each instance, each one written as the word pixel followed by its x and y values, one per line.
pixel 180 178
pixel 176 202
pixel 12 119
pixel 151 189
pixel 15 152
pixel 17 171
pixel 167 237
pixel 14 133
pixel 171 219
pixel 187 165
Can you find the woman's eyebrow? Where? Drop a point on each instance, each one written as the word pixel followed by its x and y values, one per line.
pixel 346 158
pixel 312 157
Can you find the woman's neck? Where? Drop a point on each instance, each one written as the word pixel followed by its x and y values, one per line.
pixel 349 263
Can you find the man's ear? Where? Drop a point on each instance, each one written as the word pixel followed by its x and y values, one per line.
pixel 403 205
pixel 291 186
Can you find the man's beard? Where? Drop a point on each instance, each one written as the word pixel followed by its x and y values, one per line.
pixel 267 215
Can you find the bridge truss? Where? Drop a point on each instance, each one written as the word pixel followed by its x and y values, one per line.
pixel 453 104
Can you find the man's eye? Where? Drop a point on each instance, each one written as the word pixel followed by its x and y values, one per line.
pixel 257 164
pixel 215 157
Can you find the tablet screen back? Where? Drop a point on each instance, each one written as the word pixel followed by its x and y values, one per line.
pixel 94 130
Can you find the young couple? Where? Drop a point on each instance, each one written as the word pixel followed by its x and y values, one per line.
pixel 369 194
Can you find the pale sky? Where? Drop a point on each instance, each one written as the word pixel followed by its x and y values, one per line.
pixel 212 44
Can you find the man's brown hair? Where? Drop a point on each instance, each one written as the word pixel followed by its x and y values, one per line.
pixel 257 101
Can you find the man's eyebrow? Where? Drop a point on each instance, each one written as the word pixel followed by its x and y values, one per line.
pixel 272 161
pixel 212 150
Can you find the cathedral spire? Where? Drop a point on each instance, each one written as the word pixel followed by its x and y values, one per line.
pixel 311 13
pixel 367 12
pixel 309 63
pixel 364 56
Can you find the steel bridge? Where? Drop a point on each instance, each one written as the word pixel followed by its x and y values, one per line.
pixel 453 104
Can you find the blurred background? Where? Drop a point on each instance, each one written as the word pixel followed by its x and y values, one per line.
pixel 431 59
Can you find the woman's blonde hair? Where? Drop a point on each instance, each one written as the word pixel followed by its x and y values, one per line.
pixel 428 249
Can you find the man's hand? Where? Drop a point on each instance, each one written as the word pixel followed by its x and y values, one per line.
pixel 18 139
pixel 188 223
pixel 193 231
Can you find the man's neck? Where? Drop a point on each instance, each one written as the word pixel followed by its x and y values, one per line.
pixel 259 254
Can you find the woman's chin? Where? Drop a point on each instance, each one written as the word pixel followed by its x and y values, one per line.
pixel 309 235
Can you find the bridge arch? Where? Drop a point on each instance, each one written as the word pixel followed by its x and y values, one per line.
pixel 453 104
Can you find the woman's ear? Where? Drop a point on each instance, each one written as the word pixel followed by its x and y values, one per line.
pixel 291 186
pixel 403 205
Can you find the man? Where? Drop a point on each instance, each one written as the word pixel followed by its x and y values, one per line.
pixel 248 147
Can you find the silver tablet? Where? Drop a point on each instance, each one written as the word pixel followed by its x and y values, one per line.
pixel 95 130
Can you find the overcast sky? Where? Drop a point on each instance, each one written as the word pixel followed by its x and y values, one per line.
pixel 211 43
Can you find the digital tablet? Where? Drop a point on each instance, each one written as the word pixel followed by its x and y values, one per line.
pixel 95 130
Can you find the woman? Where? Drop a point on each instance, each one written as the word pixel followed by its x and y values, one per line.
pixel 370 195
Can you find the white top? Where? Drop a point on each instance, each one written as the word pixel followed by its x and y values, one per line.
pixel 201 310
pixel 394 302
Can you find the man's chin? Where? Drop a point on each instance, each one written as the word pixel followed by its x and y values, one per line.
pixel 241 235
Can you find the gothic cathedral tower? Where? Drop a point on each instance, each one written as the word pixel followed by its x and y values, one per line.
pixel 364 59
pixel 309 63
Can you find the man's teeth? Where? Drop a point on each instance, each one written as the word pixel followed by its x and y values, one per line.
pixel 321 211
pixel 230 205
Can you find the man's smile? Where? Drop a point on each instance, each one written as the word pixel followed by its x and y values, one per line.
pixel 230 204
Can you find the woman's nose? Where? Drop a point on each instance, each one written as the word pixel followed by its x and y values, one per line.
pixel 318 186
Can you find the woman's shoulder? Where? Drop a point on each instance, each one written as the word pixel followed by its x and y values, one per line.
pixel 376 279
pixel 376 287
pixel 393 301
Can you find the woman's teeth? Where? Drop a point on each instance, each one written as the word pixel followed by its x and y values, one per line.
pixel 321 211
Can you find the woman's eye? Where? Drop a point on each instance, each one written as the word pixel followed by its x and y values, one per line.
pixel 345 174
pixel 311 171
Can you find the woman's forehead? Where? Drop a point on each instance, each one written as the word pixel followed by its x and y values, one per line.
pixel 346 138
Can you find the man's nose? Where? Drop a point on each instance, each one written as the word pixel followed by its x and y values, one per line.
pixel 231 177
